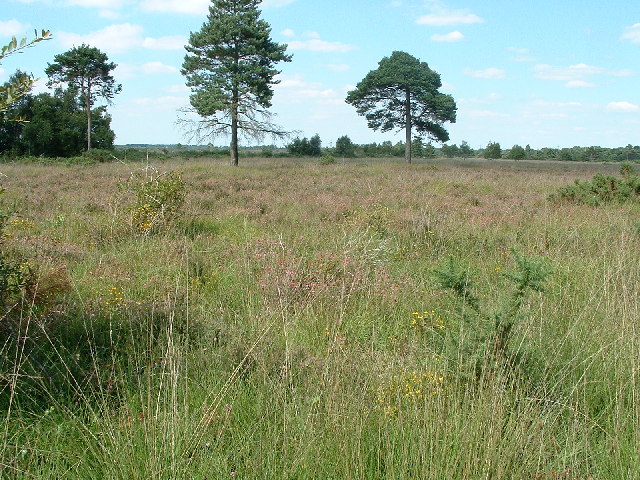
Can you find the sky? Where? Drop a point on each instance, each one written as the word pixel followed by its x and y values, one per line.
pixel 548 73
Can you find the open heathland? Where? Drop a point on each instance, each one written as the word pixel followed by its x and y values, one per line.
pixel 449 319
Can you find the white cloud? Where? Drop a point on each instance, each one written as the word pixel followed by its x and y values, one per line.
pixel 13 27
pixel 109 14
pixel 442 19
pixel 580 71
pixel 288 33
pixel 153 68
pixel 624 107
pixel 317 45
pixel 487 73
pixel 178 88
pixel 563 105
pixel 396 3
pixel 519 51
pixel 176 42
pixel 120 38
pixel 113 39
pixel 276 3
pixel 295 89
pixel 579 84
pixel 455 36
pixel 492 97
pixel 488 114
pixel 128 70
pixel 168 102
pixel 632 33
pixel 194 7
pixel 108 4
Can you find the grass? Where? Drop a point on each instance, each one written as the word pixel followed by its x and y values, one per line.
pixel 269 330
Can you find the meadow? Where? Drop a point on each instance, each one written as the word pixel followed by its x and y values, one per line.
pixel 285 319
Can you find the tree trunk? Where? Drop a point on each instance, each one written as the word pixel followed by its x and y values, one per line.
pixel 87 106
pixel 407 124
pixel 235 100
pixel 234 140
pixel 234 131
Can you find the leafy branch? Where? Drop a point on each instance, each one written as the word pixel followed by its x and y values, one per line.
pixel 10 93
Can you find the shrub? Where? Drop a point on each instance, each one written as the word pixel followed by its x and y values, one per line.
pixel 345 147
pixel 602 189
pixel 627 170
pixel 98 155
pixel 517 153
pixel 158 199
pixel 306 147
pixel 493 151
pixel 327 159
pixel 486 336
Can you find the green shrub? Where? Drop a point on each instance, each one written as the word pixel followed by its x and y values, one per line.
pixel 493 151
pixel 602 189
pixel 99 155
pixel 627 170
pixel 327 159
pixel 485 336
pixel 158 198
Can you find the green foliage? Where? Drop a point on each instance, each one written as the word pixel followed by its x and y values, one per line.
pixel 229 67
pixel 456 277
pixel 20 85
pixel 86 71
pixel 14 276
pixel 158 199
pixel 306 147
pixel 493 151
pixel 327 159
pixel 602 189
pixel 486 336
pixel 517 153
pixel 451 151
pixel 309 362
pixel 402 93
pixel 627 170
pixel 345 147
pixel 465 150
pixel 55 126
pixel 420 150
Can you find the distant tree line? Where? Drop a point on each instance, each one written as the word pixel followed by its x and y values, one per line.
pixel 345 148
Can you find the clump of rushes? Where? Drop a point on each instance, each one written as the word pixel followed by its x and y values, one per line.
pixel 484 337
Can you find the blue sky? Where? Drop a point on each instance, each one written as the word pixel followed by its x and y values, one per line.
pixel 554 73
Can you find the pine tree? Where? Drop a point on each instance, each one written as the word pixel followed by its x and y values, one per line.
pixel 87 71
pixel 229 67
pixel 402 93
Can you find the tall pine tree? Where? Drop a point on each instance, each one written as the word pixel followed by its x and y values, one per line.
pixel 402 93
pixel 229 67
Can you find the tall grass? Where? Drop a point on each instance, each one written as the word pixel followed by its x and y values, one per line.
pixel 269 331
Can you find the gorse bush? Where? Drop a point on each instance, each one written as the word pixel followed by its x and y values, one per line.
pixel 485 336
pixel 327 159
pixel 158 198
pixel 602 189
